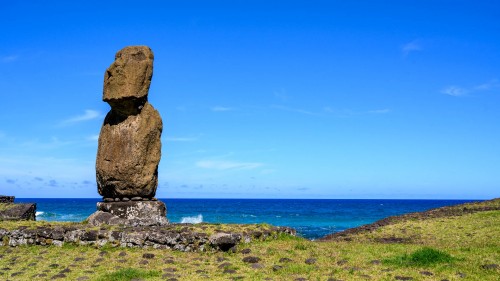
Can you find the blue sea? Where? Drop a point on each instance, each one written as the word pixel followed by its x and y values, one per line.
pixel 311 218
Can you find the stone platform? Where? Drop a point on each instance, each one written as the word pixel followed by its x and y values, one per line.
pixel 130 213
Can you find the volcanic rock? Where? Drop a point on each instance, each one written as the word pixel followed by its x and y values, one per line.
pixel 16 212
pixel 128 154
pixel 127 80
pixel 129 147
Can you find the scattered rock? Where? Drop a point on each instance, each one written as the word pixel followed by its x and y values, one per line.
pixel 489 266
pixel 246 251
pixel 341 262
pixel 82 278
pixel 98 260
pixel 60 275
pixel 461 275
pixel 225 264
pixel 122 254
pixel 300 279
pixel 148 255
pixel 251 259
pixel 375 262
pixel 66 270
pixel 310 261
pixel 229 271
pixel 426 273
pixel 54 265
pixel 170 269
pixel 79 259
pixel 257 266
pixel 277 267
pixel 284 260
pixel 143 262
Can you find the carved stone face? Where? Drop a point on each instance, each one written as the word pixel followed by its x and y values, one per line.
pixel 127 80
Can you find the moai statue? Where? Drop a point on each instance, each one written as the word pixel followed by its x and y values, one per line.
pixel 129 148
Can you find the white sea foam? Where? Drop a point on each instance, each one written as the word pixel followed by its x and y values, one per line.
pixel 39 213
pixel 196 219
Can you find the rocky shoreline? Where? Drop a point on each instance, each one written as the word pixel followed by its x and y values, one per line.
pixel 180 237
pixel 447 211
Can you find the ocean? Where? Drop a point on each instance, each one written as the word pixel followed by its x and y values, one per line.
pixel 312 218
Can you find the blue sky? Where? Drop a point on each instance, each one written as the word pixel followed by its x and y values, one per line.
pixel 261 99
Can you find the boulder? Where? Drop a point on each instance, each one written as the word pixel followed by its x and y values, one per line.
pixel 224 241
pixel 22 211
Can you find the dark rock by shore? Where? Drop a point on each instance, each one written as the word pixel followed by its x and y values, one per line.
pixel 6 199
pixel 14 212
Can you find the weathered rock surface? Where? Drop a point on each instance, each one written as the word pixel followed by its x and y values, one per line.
pixel 128 78
pixel 22 211
pixel 128 154
pixel 173 236
pixel 129 148
pixel 130 213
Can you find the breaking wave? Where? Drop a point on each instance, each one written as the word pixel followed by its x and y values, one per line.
pixel 196 219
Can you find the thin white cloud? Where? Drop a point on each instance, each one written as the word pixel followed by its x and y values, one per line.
pixel 89 114
pixel 488 85
pixel 221 108
pixel 412 46
pixel 454 91
pixel 227 165
pixel 457 91
pixel 10 58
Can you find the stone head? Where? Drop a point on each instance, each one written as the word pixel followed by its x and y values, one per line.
pixel 127 80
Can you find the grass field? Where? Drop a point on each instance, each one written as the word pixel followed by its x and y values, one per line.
pixel 465 247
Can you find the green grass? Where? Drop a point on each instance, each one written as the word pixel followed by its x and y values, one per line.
pixel 443 246
pixel 422 257
pixel 127 274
